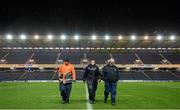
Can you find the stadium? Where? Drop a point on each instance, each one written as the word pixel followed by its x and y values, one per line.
pixel 149 70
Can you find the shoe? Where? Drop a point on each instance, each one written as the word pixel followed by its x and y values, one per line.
pixel 91 102
pixel 63 102
pixel 113 103
pixel 105 100
pixel 67 101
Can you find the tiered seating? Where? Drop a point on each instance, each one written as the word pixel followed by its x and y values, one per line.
pixel 150 58
pixel 74 57
pixel 158 75
pixel 17 57
pixel 173 58
pixel 45 57
pixel 44 75
pixel 124 75
pixel 177 73
pixel 99 57
pixel 124 58
pixel 10 75
pixel 49 57
pixel 37 75
pixel 132 75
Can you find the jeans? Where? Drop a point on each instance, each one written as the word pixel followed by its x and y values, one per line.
pixel 110 88
pixel 65 91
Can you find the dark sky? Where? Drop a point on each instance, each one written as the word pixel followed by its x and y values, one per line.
pixel 110 17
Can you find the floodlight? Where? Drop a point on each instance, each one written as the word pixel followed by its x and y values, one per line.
pixel 76 37
pixel 93 37
pixel 50 37
pixel 133 37
pixel 106 37
pixel 146 37
pixel 120 37
pixel 36 37
pixel 9 37
pixel 63 37
pixel 172 37
pixel 22 37
pixel 159 37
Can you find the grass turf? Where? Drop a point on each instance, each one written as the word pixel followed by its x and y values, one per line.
pixel 140 95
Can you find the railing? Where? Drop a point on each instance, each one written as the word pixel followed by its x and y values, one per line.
pixel 156 66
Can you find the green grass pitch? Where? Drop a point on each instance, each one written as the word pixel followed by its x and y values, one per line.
pixel 130 95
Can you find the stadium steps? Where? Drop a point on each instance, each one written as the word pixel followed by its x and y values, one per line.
pixel 159 75
pixel 178 77
pixel 146 75
pixel 54 76
pixel 23 76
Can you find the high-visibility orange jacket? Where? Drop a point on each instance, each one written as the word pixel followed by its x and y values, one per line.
pixel 64 69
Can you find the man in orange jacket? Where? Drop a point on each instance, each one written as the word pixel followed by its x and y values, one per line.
pixel 66 76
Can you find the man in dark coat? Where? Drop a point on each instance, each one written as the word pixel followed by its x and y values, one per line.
pixel 92 75
pixel 110 77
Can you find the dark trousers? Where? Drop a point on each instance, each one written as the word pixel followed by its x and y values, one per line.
pixel 110 88
pixel 65 91
pixel 92 87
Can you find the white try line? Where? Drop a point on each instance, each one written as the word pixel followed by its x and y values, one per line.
pixel 89 106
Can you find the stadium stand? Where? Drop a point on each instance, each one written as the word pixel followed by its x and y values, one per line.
pixel 124 58
pixel 173 57
pixel 45 58
pixel 17 57
pixel 124 75
pixel 21 57
pixel 161 75
pixel 10 75
pixel 150 58
pixel 132 75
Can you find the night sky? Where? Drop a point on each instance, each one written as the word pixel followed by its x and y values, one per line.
pixel 87 18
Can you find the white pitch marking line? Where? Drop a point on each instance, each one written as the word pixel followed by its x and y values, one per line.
pixel 89 106
pixel 119 95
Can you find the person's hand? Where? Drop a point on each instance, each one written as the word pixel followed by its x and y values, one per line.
pixel 60 80
pixel 64 82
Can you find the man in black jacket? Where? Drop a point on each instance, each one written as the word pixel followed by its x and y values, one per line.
pixel 110 77
pixel 92 75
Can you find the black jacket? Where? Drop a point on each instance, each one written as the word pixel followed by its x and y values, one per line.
pixel 110 73
pixel 92 73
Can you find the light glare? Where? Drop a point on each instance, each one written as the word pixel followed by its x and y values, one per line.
pixel 36 37
pixel 63 37
pixel 172 37
pixel 93 37
pixel 159 37
pixel 23 37
pixel 120 37
pixel 106 37
pixel 133 37
pixel 50 37
pixel 9 37
pixel 146 37
pixel 76 37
